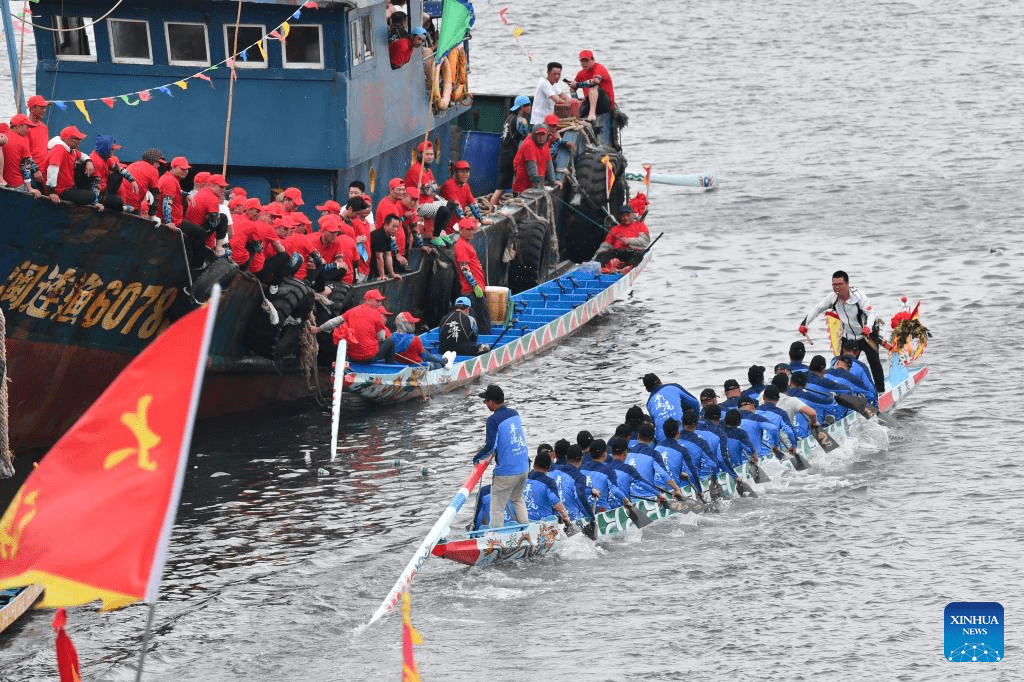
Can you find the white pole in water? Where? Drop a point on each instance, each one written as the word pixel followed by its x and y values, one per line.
pixel 339 380
pixel 424 550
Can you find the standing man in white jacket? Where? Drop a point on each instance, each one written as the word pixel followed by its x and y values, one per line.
pixel 858 318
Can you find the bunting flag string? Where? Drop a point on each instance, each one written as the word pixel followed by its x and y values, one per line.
pixel 517 33
pixel 279 33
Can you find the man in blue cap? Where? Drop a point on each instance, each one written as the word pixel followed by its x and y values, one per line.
pixel 516 128
pixel 627 241
pixel 458 331
pixel 506 439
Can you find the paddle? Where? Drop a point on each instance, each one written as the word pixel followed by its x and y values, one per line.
pixel 827 442
pixel 638 520
pixel 861 406
pixel 423 552
pixel 591 531
pixel 755 470
pixel 339 380
pixel 742 487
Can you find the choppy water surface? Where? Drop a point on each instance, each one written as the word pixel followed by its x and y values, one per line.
pixel 881 138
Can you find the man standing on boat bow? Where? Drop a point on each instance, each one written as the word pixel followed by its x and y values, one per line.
pixel 858 319
pixel 506 439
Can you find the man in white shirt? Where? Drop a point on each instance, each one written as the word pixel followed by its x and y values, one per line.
pixel 548 94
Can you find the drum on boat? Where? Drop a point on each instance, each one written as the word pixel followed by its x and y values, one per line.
pixel 497 303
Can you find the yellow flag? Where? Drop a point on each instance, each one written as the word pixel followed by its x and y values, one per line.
pixel 182 84
pixel 285 29
pixel 263 48
pixel 81 107
pixel 409 638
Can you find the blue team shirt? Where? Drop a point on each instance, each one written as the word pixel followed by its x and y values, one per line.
pixel 668 402
pixel 506 438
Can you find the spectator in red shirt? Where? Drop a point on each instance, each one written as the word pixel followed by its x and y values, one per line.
pixel 146 173
pixel 627 241
pixel 60 163
pixel 471 273
pixel 18 166
pixel 598 92
pixel 419 173
pixel 400 51
pixel 409 347
pixel 291 199
pixel 457 189
pixel 533 161
pixel 329 207
pixel 368 337
pixel 204 211
pixel 110 172
pixel 39 135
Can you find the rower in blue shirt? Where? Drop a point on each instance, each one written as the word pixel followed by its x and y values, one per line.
pixel 677 460
pixel 627 478
pixel 755 376
pixel 817 381
pixel 797 353
pixel 645 442
pixel 760 429
pixel 711 430
pixel 842 369
pixel 770 409
pixel 586 494
pixel 823 405
pixel 594 469
pixel 507 440
pixel 740 447
pixel 667 401
pixel 541 493
pixel 701 453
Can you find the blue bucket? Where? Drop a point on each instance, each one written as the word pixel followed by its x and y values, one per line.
pixel 481 150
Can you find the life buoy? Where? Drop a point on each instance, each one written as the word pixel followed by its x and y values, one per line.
pixel 447 74
pixel 435 85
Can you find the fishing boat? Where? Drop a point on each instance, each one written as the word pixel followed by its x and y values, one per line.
pixel 518 542
pixel 536 319
pixel 316 105
pixel 15 602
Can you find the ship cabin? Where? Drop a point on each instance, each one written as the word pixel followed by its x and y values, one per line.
pixel 316 103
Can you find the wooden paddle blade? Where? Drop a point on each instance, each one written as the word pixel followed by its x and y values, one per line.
pixel 591 530
pixel 639 520
pixel 799 463
pixel 827 442
pixel 759 476
pixel 858 404
pixel 570 529
pixel 743 488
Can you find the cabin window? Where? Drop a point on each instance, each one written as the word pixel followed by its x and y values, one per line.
pixel 187 44
pixel 361 39
pixel 74 45
pixel 129 42
pixel 248 34
pixel 304 48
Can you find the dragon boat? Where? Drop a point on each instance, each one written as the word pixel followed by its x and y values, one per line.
pixel 526 541
pixel 15 602
pixel 536 319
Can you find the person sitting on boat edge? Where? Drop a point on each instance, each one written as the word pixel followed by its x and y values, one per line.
pixel 515 129
pixel 458 331
pixel 666 401
pixel 19 169
pixel 858 320
pixel 627 241
pixel 532 162
pixel 60 163
pixel 382 259
pixel 456 189
pixel 38 135
pixel 204 210
pixel 146 172
pixel 409 347
pixel 471 274
pixel 598 91
pixel 507 440
pixel 363 327
pixel 541 494
pixel 419 174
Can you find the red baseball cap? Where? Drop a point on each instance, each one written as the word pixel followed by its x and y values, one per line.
pixel 551 120
pixel 384 311
pixel 252 202
pixel 274 209
pixel 413 191
pixel 287 221
pixel 395 182
pixel 330 205
pixel 218 179
pixel 586 54
pixel 240 191
pixel 469 223
pixel 461 165
pixel 180 162
pixel 374 295
pixel 22 120
pixel 37 101
pixel 294 194
pixel 71 132
pixel 202 177
pixel 407 316
pixel 329 223
pixel 424 146
pixel 237 201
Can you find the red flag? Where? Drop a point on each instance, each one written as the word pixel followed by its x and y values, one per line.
pixel 409 637
pixel 92 520
pixel 67 657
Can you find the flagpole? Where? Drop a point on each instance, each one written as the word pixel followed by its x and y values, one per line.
pixel 231 92
pixel 160 556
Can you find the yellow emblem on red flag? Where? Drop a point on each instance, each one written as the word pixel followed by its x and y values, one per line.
pixel 609 175
pixel 92 520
